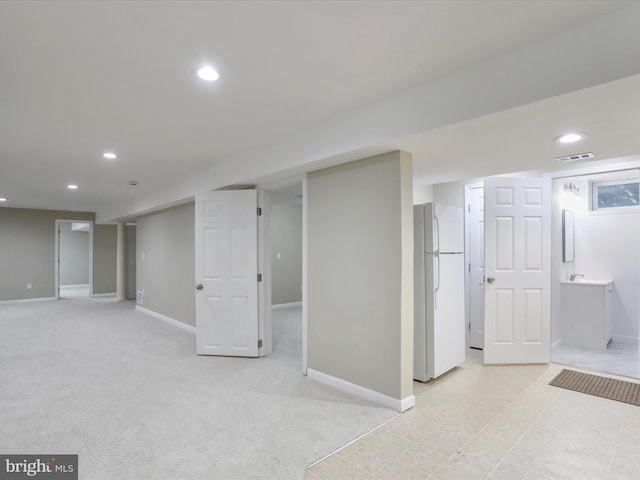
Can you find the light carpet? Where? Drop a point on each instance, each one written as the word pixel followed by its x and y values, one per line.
pixel 128 394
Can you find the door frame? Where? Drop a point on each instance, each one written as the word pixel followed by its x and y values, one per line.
pixel 264 248
pixel 58 222
pixel 265 329
pixel 467 274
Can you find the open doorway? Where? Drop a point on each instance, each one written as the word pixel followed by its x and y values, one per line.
pixel 596 314
pixel 604 264
pixel 286 227
pixel 74 259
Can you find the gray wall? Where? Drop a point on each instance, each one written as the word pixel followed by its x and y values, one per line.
pixel 166 262
pixel 360 273
pixel 74 256
pixel 27 251
pixel 105 246
pixel 286 241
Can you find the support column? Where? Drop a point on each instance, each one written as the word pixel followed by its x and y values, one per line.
pixel 120 263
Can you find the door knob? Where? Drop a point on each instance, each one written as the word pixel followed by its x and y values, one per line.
pixel 491 279
pixel 199 286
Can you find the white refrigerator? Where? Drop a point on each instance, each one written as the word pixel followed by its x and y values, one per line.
pixel 439 336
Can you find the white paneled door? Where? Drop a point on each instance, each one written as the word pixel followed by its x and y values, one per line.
pixel 227 273
pixel 517 270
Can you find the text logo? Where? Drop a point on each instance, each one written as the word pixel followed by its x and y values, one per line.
pixel 49 467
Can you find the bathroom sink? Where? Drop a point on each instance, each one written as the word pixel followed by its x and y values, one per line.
pixel 587 282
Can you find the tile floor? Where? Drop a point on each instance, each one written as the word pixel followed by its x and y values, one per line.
pixel 498 422
pixel 619 358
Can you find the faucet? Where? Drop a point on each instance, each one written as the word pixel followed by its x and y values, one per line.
pixel 575 275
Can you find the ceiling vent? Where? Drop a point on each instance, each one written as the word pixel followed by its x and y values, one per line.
pixel 574 158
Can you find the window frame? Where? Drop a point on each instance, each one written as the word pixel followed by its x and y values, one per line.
pixel 594 207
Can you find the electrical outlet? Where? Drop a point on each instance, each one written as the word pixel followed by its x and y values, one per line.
pixel 28 286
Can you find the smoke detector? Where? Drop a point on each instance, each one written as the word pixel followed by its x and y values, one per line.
pixel 574 158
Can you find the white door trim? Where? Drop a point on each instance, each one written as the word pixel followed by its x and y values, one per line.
pixel 265 330
pixel 305 276
pixel 58 222
pixel 467 275
pixel 273 186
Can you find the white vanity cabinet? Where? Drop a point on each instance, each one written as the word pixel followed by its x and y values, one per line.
pixel 586 313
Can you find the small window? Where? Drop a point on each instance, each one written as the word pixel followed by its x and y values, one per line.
pixel 616 194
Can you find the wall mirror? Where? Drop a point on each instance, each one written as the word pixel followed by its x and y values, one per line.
pixel 568 240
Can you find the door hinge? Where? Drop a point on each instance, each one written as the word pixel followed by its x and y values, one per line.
pixel 469 326
pixel 259 211
pixel 469 208
pixel 259 343
pixel 259 277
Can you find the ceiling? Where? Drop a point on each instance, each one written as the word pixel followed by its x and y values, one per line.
pixel 522 139
pixel 81 78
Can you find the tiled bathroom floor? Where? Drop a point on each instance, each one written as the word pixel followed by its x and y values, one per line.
pixel 619 358
pixel 497 422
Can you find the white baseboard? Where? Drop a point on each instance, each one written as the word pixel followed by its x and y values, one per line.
pixel 104 294
pixel 363 392
pixel 172 321
pixel 625 339
pixel 286 305
pixel 27 300
pixel 81 285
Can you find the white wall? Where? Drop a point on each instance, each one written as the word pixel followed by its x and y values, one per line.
pixel 607 246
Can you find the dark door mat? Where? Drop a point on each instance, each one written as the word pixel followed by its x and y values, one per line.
pixel 610 388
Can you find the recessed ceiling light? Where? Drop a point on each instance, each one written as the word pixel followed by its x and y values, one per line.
pixel 72 187
pixel 570 137
pixel 109 155
pixel 207 73
pixel 2 199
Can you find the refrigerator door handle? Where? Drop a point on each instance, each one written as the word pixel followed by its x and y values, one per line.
pixel 436 234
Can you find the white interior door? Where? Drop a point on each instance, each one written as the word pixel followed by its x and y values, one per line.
pixel 517 270
pixel 475 258
pixel 226 226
